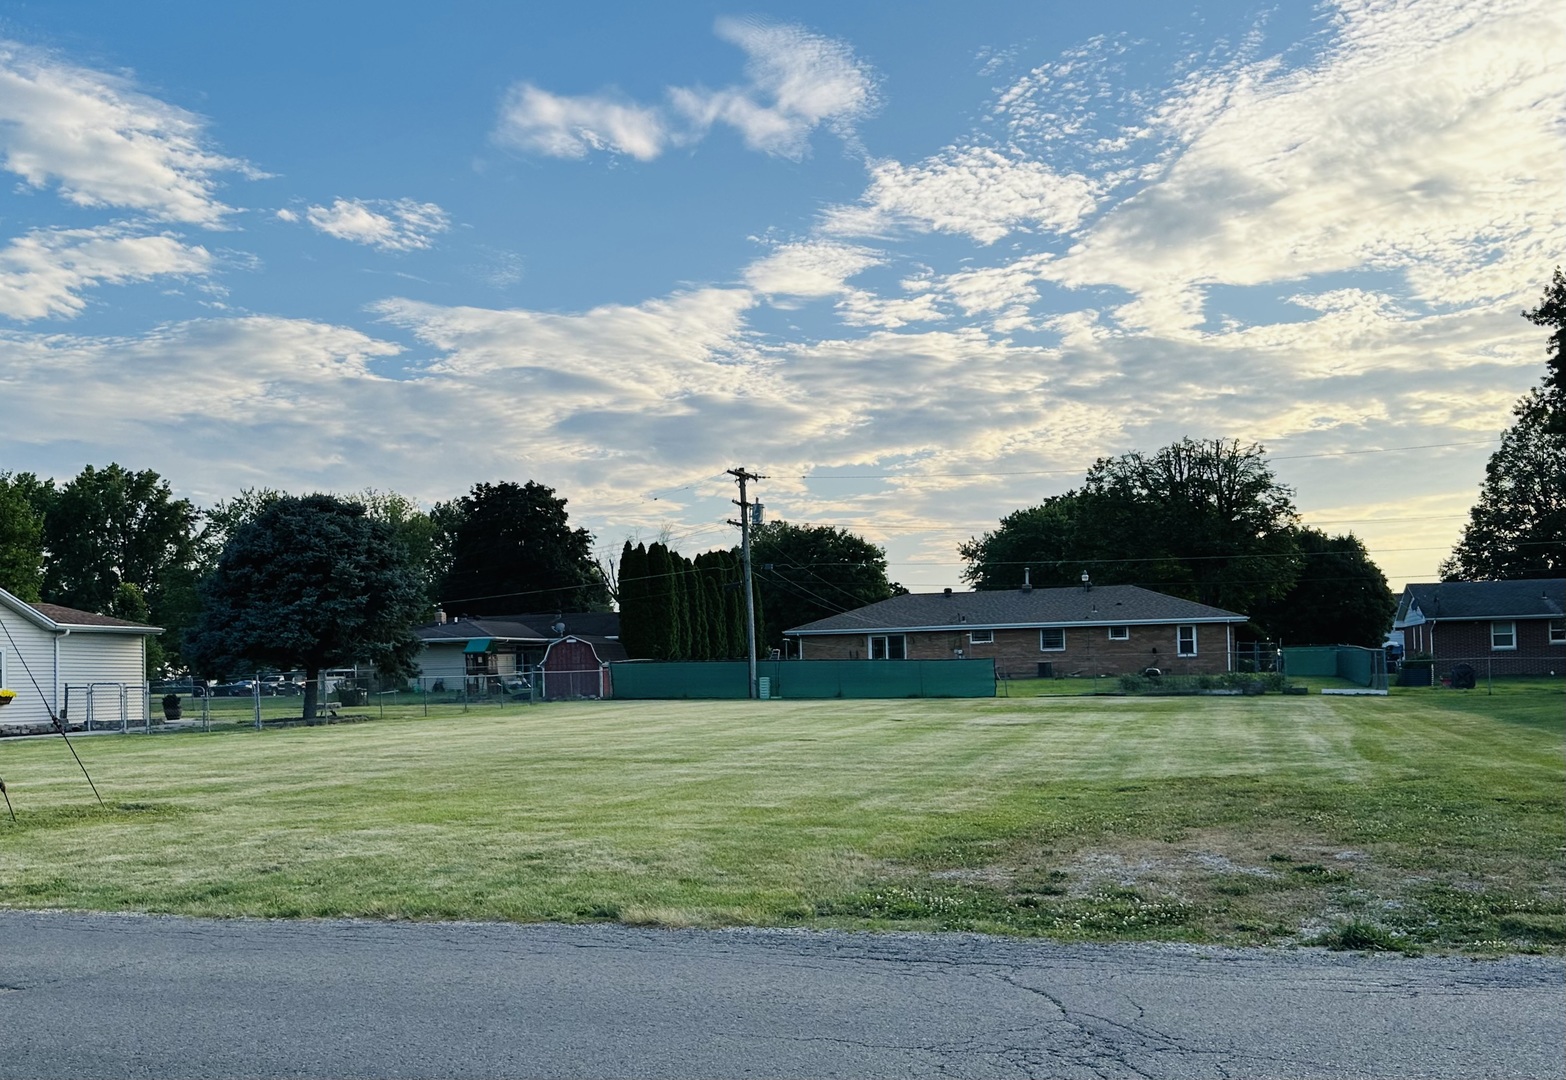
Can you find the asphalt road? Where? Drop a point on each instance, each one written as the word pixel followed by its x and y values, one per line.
pixel 133 996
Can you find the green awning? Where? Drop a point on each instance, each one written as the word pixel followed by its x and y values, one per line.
pixel 478 644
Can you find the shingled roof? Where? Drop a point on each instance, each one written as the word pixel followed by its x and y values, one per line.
pixel 532 627
pixel 1100 605
pixel 75 617
pixel 59 618
pixel 1533 598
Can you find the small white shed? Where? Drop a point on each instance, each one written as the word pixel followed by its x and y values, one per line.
pixel 57 647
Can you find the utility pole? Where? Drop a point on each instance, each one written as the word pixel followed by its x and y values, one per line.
pixel 744 505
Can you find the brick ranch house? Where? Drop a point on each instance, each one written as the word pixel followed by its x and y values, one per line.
pixel 1513 627
pixel 1086 630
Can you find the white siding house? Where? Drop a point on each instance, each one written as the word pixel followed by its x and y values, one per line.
pixel 45 648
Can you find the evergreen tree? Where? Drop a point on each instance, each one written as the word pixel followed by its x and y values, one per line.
pixel 634 601
pixel 679 609
pixel 696 606
pixel 709 565
pixel 661 632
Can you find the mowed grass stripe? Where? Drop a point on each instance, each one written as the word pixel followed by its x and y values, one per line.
pixel 1433 818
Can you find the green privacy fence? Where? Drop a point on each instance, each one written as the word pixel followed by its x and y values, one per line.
pixel 1367 667
pixel 641 679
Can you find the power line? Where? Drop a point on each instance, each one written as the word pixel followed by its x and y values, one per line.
pixel 1081 471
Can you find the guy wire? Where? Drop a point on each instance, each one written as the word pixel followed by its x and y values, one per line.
pixel 57 724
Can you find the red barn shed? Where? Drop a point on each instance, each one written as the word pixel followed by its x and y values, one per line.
pixel 578 667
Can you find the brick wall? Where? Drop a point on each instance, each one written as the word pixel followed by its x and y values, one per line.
pixel 1470 641
pixel 1088 651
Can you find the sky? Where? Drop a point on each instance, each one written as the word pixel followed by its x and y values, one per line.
pixel 918 265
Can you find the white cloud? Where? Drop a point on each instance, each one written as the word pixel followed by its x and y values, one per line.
pixel 401 225
pixel 860 307
pixel 103 143
pixel 44 272
pixel 975 191
pixel 1424 136
pixel 543 123
pixel 810 268
pixel 797 81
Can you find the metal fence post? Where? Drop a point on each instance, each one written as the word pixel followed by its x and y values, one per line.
pixel 255 697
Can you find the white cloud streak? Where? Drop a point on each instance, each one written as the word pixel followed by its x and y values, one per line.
pixel 102 143
pixel 796 82
pixel 539 122
pixel 400 225
pixel 44 272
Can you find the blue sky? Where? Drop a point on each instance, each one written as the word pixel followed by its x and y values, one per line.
pixel 920 264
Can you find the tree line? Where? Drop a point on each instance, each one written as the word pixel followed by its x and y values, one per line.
pixel 117 542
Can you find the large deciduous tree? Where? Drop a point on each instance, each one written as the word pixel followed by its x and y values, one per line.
pixel 512 548
pixel 1517 529
pixel 1340 597
pixel 309 582
pixel 809 572
pixel 21 534
pixel 1203 519
pixel 107 528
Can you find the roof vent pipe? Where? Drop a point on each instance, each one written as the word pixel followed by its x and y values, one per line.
pixel 948 594
pixel 1027 579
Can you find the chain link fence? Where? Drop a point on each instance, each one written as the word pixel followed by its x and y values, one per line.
pixel 260 700
pixel 1477 672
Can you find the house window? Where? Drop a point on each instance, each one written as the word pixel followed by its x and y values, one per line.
pixel 1503 635
pixel 1185 640
pixel 981 637
pixel 888 647
pixel 1052 639
pixel 1558 631
pixel 1119 633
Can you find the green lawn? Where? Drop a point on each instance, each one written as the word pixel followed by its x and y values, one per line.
pixel 1424 819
